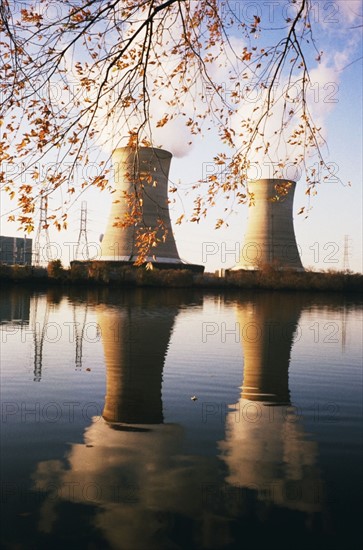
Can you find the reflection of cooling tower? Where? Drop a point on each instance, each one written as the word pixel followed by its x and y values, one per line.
pixel 138 481
pixel 265 446
pixel 142 174
pixel 267 327
pixel 270 237
pixel 133 385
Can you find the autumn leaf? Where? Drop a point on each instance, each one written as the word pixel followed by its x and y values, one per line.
pixel 162 122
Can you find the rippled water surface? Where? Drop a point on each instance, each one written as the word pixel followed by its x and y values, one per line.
pixel 153 419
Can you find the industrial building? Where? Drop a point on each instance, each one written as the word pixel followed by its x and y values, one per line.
pixel 15 250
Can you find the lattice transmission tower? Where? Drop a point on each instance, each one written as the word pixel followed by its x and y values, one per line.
pixel 42 241
pixel 82 250
pixel 346 266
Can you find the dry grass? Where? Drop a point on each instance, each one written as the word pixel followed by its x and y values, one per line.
pixel 101 273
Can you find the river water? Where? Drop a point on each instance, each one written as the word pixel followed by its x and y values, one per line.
pixel 165 419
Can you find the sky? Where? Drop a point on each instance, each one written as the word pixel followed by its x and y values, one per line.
pixel 334 219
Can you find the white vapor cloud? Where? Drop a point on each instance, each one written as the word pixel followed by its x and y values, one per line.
pixel 351 10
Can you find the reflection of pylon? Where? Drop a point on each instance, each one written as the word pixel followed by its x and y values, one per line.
pixel 346 253
pixel 41 250
pixel 344 327
pixel 39 331
pixel 82 251
pixel 79 328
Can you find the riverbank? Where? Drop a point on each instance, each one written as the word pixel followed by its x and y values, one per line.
pixel 99 274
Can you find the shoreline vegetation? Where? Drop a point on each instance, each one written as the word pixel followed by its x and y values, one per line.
pixel 99 273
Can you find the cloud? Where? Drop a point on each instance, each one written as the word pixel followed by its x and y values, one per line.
pixel 351 10
pixel 339 50
pixel 181 109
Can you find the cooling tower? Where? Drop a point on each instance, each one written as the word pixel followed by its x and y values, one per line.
pixel 270 237
pixel 142 175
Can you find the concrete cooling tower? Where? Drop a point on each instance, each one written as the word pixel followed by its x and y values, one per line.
pixel 270 237
pixel 141 173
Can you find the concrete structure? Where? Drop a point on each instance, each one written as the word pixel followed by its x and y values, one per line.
pixel 270 237
pixel 141 176
pixel 15 250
